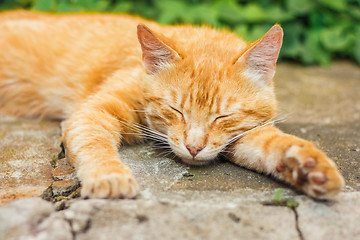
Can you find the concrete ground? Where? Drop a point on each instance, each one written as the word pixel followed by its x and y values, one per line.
pixel 180 202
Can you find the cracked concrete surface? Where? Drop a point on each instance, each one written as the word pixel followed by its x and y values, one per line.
pixel 181 202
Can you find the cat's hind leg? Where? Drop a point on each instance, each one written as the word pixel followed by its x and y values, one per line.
pixel 294 160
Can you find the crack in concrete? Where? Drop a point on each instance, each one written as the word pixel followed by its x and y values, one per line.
pixel 301 236
pixel 75 232
pixel 293 209
pixel 79 220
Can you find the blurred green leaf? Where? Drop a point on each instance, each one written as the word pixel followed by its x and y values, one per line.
pixel 297 7
pixel 10 4
pixel 313 52
pixel 229 11
pixel 357 50
pixel 25 2
pixel 44 5
pixel 357 45
pixel 68 6
pixel 355 12
pixel 123 6
pixel 277 196
pixel 339 5
pixel 171 11
pixel 292 45
pixel 93 5
pixel 335 39
pixel 146 9
pixel 277 14
pixel 243 31
pixel 253 13
pixel 199 14
pixel 257 31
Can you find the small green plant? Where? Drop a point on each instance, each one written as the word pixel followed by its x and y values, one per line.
pixel 277 197
pixel 291 203
pixel 279 200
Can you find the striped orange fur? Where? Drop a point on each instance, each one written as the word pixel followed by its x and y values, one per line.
pixel 114 80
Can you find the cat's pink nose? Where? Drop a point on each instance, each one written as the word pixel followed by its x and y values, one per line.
pixel 194 150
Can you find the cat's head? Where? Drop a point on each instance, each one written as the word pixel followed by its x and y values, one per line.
pixel 200 103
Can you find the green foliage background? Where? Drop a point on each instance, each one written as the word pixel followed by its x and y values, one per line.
pixel 316 31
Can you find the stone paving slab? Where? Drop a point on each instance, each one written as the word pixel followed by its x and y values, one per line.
pixel 330 221
pixel 241 214
pixel 215 219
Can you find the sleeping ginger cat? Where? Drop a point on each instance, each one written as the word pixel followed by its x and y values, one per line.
pixel 117 79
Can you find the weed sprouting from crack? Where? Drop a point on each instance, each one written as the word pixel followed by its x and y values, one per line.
pixel 279 200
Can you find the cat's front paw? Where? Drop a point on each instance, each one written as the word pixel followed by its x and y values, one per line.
pixel 311 171
pixel 117 184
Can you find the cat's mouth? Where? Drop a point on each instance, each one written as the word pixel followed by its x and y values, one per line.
pixel 196 162
pixel 203 157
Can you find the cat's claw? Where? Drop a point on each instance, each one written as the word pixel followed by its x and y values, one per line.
pixel 311 171
pixel 114 185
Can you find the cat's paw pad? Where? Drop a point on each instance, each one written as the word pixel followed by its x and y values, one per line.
pixel 311 171
pixel 114 185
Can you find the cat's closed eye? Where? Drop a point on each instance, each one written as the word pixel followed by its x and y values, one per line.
pixel 177 111
pixel 221 117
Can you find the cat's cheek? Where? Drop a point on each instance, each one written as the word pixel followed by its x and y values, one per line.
pixel 217 139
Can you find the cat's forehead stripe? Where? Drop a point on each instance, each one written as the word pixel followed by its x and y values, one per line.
pixel 173 96
pixel 231 101
pixel 212 101
pixel 183 99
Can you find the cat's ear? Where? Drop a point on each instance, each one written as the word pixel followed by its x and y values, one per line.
pixel 258 62
pixel 156 53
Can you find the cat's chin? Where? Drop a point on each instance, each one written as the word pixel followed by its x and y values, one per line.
pixel 196 162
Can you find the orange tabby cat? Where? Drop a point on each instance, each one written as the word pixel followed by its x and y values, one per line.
pixel 198 89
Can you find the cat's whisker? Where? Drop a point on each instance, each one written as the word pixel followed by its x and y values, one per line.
pixel 161 146
pixel 147 132
pixel 146 135
pixel 225 151
pixel 153 135
pixel 159 140
pixel 142 128
pixel 129 133
pixel 237 137
pixel 281 117
pixel 165 154
pixel 172 155
pixel 155 138
pixel 137 110
pixel 146 128
pixel 129 125
pixel 165 151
